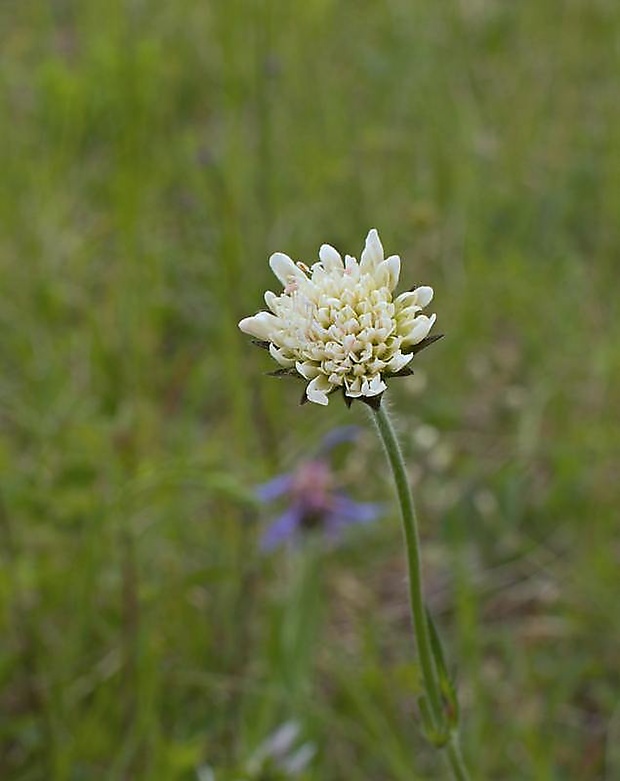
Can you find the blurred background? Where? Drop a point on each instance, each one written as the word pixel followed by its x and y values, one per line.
pixel 153 155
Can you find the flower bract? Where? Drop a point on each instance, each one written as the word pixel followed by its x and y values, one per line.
pixel 338 324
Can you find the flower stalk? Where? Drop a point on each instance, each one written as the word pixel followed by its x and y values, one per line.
pixel 440 728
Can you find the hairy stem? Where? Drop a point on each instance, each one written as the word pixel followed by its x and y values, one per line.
pixel 418 612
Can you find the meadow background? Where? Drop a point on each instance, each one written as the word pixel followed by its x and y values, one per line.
pixel 152 156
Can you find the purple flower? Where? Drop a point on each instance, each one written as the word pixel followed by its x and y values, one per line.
pixel 315 500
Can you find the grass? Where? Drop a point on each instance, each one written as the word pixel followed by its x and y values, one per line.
pixel 153 156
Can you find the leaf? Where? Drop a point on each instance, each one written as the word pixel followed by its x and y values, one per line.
pixel 446 682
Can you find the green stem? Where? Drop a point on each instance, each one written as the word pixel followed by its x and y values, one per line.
pixel 455 758
pixel 420 623
pixel 412 543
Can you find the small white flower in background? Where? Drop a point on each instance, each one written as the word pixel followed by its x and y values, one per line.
pixel 338 325
pixel 281 751
pixel 280 756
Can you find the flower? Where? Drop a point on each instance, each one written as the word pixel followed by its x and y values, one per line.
pixel 316 502
pixel 337 324
pixel 281 754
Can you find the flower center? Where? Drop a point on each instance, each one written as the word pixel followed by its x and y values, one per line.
pixel 346 330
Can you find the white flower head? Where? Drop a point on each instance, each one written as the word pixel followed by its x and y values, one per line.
pixel 338 324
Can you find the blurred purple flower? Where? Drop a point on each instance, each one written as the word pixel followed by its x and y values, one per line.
pixel 315 500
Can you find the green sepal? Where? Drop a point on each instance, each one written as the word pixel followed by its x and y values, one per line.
pixel 404 372
pixel 426 342
pixel 284 372
pixel 261 343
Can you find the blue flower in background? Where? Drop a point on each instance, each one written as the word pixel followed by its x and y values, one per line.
pixel 315 499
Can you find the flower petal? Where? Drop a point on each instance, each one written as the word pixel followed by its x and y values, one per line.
pixel 307 369
pixel 391 269
pixel 318 389
pixel 348 511
pixel 282 529
pixel 372 254
pixel 275 488
pixel 374 386
pixel 330 258
pixel 278 355
pixel 337 436
pixel 281 741
pixel 262 325
pixel 421 326
pixel 351 267
pixel 285 269
pixel 424 295
pixel 345 512
pixel 398 362
pixel 294 764
pixel 271 300
pixel 406 300
pixel 353 388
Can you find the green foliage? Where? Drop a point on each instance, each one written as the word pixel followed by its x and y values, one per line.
pixel 153 155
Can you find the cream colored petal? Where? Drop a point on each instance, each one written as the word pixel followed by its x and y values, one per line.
pixel 406 320
pixel 319 275
pixel 270 300
pixel 262 326
pixel 406 299
pixel 424 295
pixel 418 298
pixel 278 355
pixel 307 369
pixel 285 269
pixel 330 258
pixel 372 254
pixel 351 267
pixel 398 362
pixel 390 268
pixel 318 389
pixel 406 317
pixel 373 386
pixel 421 326
pixel 353 388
